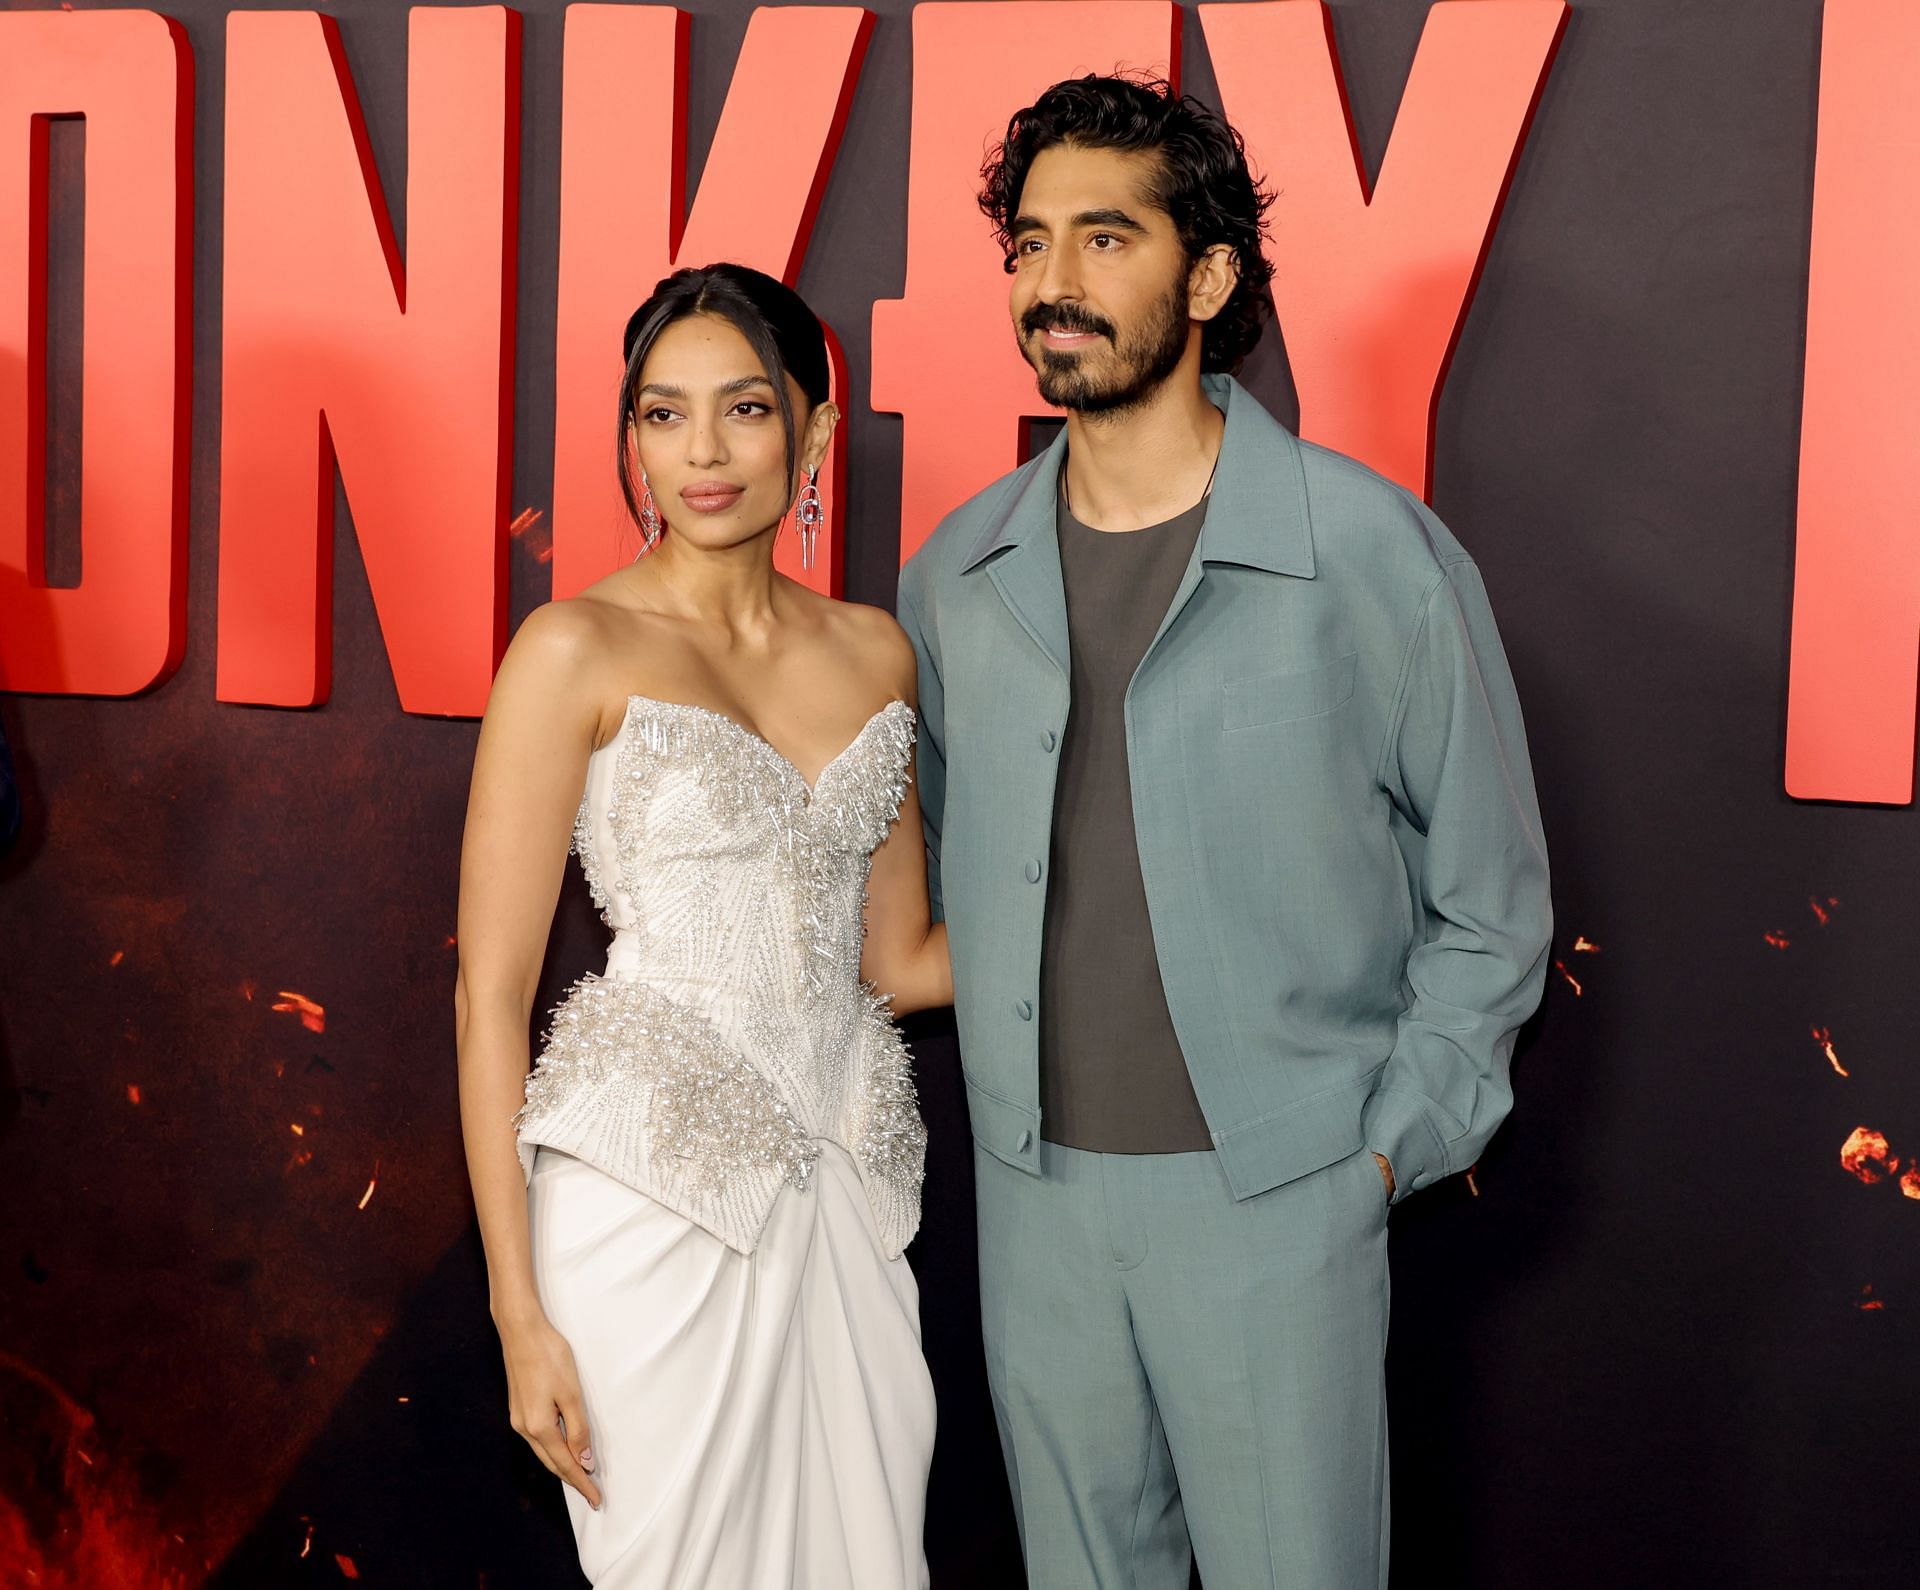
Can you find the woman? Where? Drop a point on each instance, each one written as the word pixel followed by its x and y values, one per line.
pixel 709 1332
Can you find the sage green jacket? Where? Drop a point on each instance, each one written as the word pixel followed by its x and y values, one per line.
pixel 1342 852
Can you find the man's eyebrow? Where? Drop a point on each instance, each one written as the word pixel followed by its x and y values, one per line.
pixel 1116 220
pixel 739 383
pixel 1112 220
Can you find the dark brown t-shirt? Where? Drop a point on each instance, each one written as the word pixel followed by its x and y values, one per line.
pixel 1112 1077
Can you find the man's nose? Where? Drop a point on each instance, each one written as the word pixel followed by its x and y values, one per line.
pixel 1059 277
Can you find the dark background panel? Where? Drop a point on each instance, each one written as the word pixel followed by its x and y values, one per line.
pixel 1662 1338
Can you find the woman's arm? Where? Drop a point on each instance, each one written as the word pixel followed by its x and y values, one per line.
pixel 527 776
pixel 905 955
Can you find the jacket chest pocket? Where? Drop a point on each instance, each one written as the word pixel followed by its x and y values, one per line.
pixel 1311 691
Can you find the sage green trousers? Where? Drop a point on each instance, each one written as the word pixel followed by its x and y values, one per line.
pixel 1178 1374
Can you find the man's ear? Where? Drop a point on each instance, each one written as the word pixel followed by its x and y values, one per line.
pixel 1211 281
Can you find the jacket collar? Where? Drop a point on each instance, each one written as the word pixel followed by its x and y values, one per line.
pixel 1258 516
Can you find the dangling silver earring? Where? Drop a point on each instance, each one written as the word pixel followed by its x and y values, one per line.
pixel 649 513
pixel 809 517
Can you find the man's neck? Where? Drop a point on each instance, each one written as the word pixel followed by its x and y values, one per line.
pixel 1148 465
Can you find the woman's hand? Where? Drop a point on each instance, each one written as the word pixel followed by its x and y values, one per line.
pixel 543 1392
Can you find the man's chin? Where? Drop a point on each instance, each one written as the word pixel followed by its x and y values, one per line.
pixel 1062 383
pixel 1078 396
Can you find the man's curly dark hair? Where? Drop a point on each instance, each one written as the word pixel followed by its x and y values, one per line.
pixel 1203 183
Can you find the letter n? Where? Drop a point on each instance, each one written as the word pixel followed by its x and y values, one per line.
pixel 333 350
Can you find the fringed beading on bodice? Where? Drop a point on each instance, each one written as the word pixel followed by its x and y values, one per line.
pixel 731 1030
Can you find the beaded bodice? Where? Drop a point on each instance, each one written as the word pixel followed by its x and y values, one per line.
pixel 731 1032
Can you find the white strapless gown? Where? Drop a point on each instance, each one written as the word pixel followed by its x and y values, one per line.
pixel 723 1156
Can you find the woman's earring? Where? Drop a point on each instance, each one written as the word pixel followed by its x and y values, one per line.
pixel 810 516
pixel 649 513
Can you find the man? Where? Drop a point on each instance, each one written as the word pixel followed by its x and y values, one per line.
pixel 1232 824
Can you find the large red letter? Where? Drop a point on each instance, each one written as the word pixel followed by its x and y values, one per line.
pixel 330 348
pixel 622 208
pixel 1856 572
pixel 130 74
pixel 944 355
pixel 1370 292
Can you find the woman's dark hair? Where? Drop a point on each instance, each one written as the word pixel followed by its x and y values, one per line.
pixel 784 334
pixel 1202 183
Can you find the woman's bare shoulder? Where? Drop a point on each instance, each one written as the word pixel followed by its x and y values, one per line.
pixel 882 650
pixel 580 652
pixel 573 633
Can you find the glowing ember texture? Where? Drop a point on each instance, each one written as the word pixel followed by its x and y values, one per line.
pixel 1910 1182
pixel 1472 1185
pixel 1865 1154
pixel 345 1564
pixel 133 1093
pixel 1778 940
pixel 525 528
pixel 1582 945
pixel 1822 911
pixel 247 988
pixel 117 957
pixel 298 1129
pixel 1561 968
pixel 78 1523
pixel 367 1196
pixel 307 1544
pixel 1866 1300
pixel 312 1016
pixel 1824 1037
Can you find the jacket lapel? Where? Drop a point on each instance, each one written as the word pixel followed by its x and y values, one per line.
pixel 1019 551
pixel 1257 518
pixel 1257 515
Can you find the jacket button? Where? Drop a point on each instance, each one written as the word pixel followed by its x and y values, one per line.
pixel 1023 1008
pixel 1024 1142
pixel 1048 739
pixel 1033 872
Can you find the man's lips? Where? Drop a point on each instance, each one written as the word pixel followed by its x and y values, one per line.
pixel 711 496
pixel 1059 337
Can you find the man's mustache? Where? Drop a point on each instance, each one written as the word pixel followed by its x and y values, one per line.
pixel 1059 317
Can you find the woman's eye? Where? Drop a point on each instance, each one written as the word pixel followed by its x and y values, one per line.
pixel 660 416
pixel 749 407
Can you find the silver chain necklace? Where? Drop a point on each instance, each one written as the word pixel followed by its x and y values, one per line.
pixel 1066 491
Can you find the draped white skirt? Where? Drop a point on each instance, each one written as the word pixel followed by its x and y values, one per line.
pixel 759 1422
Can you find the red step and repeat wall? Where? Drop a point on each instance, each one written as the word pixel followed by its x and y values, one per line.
pixel 309 327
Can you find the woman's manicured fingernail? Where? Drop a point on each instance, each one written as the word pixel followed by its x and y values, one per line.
pixel 586 1458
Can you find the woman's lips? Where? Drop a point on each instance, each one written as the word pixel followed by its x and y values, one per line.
pixel 711 496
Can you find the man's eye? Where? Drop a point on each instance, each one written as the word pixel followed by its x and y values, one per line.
pixel 1028 245
pixel 1103 237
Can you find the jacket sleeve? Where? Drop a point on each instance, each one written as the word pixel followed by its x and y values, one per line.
pixel 1455 764
pixel 931 760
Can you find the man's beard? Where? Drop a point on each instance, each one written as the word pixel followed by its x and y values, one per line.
pixel 1146 357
